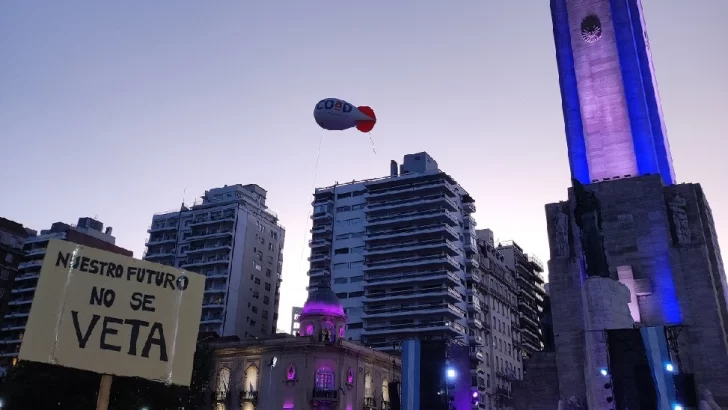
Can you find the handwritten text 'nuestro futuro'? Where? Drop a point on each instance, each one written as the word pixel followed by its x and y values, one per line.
pixel 117 271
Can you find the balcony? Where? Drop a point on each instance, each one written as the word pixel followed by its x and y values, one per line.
pixel 209 247
pixel 469 222
pixel 413 310
pixel 475 322
pixel 248 396
pixel 415 188
pixel 31 264
pixel 319 243
pixel 414 232
pixel 469 207
pixel 402 205
pixel 321 229
pixel 202 234
pixel 319 273
pixel 435 244
pixel 221 396
pixel 159 240
pixel 442 292
pixel 204 220
pixel 323 215
pixel 325 395
pixel 206 261
pixel 410 277
pixel 411 262
pixel 45 238
pixel 319 257
pixel 370 403
pixel 452 328
pixel 412 217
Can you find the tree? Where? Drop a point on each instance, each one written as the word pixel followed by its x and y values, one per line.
pixel 32 385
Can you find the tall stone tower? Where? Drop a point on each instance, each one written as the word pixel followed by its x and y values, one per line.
pixel 614 125
pixel 647 233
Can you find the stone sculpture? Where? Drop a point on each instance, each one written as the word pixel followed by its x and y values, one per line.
pixel 587 215
pixel 561 235
pixel 679 215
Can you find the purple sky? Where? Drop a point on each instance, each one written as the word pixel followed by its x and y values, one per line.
pixel 115 108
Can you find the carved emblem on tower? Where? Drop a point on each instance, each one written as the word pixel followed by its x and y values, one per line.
pixel 591 28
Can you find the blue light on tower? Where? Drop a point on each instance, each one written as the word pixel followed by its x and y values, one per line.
pixel 669 367
pixel 677 407
pixel 603 372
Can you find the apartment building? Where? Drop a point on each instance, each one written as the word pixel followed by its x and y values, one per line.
pixel 528 269
pixel 88 232
pixel 236 242
pixel 395 250
pixel 12 236
pixel 497 290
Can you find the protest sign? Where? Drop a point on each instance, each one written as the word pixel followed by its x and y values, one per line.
pixel 112 314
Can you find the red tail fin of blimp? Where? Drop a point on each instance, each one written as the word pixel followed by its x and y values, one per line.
pixel 366 125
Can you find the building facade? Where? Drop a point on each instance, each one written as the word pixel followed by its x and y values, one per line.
pixel 503 347
pixel 88 232
pixel 12 236
pixel 236 242
pixel 319 369
pixel 528 270
pixel 295 319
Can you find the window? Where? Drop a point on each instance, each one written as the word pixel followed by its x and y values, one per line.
pixel 257 281
pixel 354 326
pixel 252 323
pixel 9 258
pixel 2 292
pixel 270 246
pixel 255 310
pixel 268 273
pixel 256 295
pixel 265 314
pixel 356 294
pixel 356 264
pixel 341 251
pixel 257 267
pixel 340 281
pixel 267 286
pixel 340 266
pixel 5 274
pixel 325 379
pixel 266 300
pixel 357 278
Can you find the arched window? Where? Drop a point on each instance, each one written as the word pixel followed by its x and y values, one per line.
pixel 251 379
pixel 325 379
pixel 368 390
pixel 385 390
pixel 223 379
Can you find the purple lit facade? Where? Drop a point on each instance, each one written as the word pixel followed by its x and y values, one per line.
pixel 316 370
pixel 322 308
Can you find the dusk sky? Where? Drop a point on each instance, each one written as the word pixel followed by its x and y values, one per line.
pixel 115 109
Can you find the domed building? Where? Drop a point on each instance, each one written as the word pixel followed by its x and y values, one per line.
pixel 315 369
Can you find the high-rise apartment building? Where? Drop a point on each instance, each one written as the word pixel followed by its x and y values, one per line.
pixel 396 250
pixel 12 236
pixel 497 291
pixel 236 242
pixel 88 232
pixel 528 270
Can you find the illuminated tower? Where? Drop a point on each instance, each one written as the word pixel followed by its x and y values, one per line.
pixel 628 221
pixel 612 113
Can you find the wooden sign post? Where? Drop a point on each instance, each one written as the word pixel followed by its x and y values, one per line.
pixel 102 401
